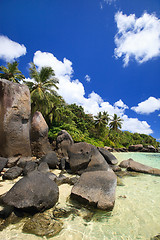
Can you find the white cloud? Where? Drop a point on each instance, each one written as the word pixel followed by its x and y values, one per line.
pixel 134 125
pixel 10 50
pixel 63 68
pixel 137 38
pixel 73 92
pixel 88 78
pixel 148 106
pixel 120 104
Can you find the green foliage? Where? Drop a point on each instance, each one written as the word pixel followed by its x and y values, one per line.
pixel 84 127
pixel 116 122
pixel 11 72
pixel 42 87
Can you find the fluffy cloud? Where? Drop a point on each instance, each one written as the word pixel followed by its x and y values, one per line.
pixel 121 104
pixel 10 50
pixel 148 106
pixel 73 92
pixel 63 68
pixel 137 38
pixel 134 125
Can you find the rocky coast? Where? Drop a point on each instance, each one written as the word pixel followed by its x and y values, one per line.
pixel 35 174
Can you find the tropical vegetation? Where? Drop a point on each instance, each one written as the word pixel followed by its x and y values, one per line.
pixel 43 86
pixel 100 130
pixel 11 72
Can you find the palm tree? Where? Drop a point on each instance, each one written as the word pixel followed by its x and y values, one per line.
pixel 42 88
pixel 116 122
pixel 102 119
pixel 11 72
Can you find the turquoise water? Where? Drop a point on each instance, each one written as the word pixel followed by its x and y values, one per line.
pixel 136 214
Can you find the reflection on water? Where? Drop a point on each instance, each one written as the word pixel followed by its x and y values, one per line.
pixel 135 216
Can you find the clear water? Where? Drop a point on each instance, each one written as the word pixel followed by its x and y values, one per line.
pixel 136 214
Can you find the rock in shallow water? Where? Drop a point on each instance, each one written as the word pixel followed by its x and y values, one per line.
pixel 134 166
pixel 96 188
pixel 42 224
pixel 34 192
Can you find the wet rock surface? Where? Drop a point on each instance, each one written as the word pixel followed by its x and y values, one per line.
pixel 43 224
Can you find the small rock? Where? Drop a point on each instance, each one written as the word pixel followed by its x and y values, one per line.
pixel 3 163
pixel 43 167
pixel 51 159
pixel 12 173
pixel 12 161
pixel 23 161
pixel 29 167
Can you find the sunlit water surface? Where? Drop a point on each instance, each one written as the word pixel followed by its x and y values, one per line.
pixel 136 214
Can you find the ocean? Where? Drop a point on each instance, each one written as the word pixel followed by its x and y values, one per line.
pixel 136 214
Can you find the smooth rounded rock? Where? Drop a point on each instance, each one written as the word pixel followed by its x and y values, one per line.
pixel 34 192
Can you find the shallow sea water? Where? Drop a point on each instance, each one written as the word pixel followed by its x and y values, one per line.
pixel 136 214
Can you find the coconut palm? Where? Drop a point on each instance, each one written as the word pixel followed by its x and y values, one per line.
pixel 116 122
pixel 102 119
pixel 42 87
pixel 11 72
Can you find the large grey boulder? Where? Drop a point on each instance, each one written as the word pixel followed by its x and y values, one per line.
pixel 109 157
pixel 79 156
pixel 96 188
pixel 135 148
pixel 97 161
pixel 15 111
pixel 134 166
pixel 138 167
pixel 97 184
pixel 125 163
pixel 36 191
pixel 39 136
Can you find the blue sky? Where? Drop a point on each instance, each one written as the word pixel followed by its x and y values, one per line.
pixel 106 53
